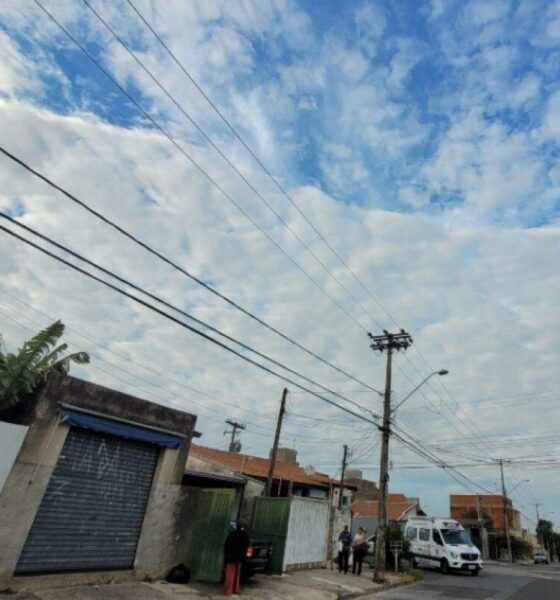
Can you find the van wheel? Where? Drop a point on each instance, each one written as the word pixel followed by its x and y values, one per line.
pixel 444 567
pixel 414 563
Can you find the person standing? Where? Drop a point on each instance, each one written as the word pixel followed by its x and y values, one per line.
pixel 359 546
pixel 345 539
pixel 235 549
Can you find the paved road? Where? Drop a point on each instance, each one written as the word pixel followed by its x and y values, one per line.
pixel 496 582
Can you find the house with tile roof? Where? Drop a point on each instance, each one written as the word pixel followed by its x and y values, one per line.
pixel 399 508
pixel 289 477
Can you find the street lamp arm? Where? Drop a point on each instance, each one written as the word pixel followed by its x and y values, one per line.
pixel 516 486
pixel 442 372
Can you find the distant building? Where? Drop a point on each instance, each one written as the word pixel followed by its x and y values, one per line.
pixel 488 506
pixel 399 508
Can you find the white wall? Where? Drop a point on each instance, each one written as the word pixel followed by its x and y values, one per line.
pixel 11 438
pixel 308 526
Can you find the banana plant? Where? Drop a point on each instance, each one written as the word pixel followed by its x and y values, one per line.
pixel 24 370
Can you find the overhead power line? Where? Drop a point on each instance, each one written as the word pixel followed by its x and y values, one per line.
pixel 174 308
pixel 254 223
pixel 184 325
pixel 227 160
pixel 177 267
pixel 197 166
pixel 418 448
pixel 258 161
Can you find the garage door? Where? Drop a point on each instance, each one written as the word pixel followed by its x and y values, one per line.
pixel 92 511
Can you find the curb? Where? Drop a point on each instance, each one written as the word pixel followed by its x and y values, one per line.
pixel 383 588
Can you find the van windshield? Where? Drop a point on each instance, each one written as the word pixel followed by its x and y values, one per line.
pixel 454 537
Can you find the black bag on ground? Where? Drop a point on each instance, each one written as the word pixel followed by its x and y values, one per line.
pixel 179 574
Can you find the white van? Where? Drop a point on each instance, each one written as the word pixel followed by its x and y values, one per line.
pixel 442 543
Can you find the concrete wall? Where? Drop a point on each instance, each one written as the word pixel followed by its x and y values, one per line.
pixel 306 540
pixel 162 530
pixel 340 518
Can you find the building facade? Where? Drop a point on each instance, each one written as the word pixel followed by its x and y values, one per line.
pixel 95 491
pixel 488 507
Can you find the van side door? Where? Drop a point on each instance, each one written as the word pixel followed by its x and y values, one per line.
pixel 439 548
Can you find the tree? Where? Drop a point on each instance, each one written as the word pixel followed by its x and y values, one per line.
pixel 519 548
pixel 394 533
pixel 545 533
pixel 23 371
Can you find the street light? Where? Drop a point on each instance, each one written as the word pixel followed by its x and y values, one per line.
pixel 516 486
pixel 441 373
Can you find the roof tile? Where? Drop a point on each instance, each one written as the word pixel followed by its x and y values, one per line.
pixel 254 466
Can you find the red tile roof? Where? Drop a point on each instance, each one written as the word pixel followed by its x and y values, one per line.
pixel 254 466
pixel 395 508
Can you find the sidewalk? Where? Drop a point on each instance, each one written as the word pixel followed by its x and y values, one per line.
pixel 315 584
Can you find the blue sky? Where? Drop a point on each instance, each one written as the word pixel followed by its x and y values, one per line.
pixel 421 138
pixel 369 96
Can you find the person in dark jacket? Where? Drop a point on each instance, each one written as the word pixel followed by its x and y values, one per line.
pixel 345 539
pixel 235 549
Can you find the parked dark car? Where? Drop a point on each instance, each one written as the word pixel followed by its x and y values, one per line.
pixel 258 555
pixel 257 558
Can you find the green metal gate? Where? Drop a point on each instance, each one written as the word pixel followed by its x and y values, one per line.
pixel 205 555
pixel 270 521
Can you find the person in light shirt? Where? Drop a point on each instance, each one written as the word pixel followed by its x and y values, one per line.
pixel 359 548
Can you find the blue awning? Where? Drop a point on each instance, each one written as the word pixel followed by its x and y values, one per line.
pixel 118 428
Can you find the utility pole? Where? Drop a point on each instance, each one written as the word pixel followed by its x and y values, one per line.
pixel 281 412
pixel 388 342
pixel 344 458
pixel 478 507
pixel 234 444
pixel 506 516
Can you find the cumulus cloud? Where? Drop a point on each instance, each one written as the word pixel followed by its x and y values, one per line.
pixel 427 166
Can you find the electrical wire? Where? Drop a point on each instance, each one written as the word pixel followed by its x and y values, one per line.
pixel 172 307
pixel 197 166
pixel 177 267
pixel 185 325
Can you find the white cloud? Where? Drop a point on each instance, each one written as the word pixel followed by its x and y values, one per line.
pixel 482 12
pixel 476 286
pixel 17 72
pixel 370 20
pixel 550 129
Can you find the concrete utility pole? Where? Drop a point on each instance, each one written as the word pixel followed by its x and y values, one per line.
pixel 478 517
pixel 281 412
pixel 344 458
pixel 506 516
pixel 234 445
pixel 388 342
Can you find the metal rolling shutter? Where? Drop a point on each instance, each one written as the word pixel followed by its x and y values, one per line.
pixel 92 511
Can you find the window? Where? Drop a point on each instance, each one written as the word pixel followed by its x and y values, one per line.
pixel 424 534
pixel 411 533
pixel 454 537
pixel 437 537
